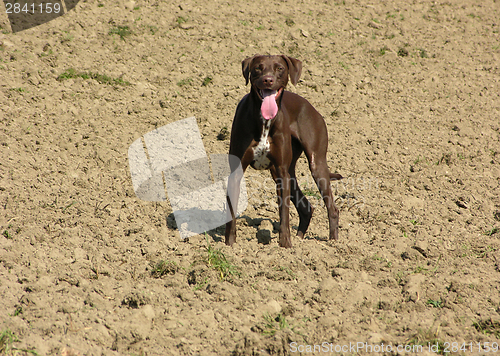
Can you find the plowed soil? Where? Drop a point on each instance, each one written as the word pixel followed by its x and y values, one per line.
pixel 410 92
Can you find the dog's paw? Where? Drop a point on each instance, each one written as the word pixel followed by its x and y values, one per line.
pixel 334 234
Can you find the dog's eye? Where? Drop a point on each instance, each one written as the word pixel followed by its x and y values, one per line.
pixel 280 69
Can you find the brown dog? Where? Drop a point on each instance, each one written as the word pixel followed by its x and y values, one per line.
pixel 271 129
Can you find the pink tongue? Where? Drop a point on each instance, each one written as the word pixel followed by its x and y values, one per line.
pixel 269 108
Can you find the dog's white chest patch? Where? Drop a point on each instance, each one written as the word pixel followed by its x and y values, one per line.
pixel 260 152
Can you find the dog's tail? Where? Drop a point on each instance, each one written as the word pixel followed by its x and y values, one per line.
pixel 335 176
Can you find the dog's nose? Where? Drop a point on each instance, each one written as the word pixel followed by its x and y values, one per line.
pixel 268 80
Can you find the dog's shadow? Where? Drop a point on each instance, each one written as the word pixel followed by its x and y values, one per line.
pixel 217 234
pixel 264 235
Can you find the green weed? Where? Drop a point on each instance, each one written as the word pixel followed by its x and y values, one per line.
pixel 420 269
pixel 207 80
pixel 491 231
pixel 101 78
pixel 6 233
pixel 216 259
pixel 122 31
pixel 419 159
pixel 18 311
pixel 488 327
pixel 343 65
pixel 272 325
pixel 422 338
pixel 309 192
pixel 202 285
pixel 7 340
pixel 163 268
pixel 181 20
pixel 184 82
pixel 67 37
pixel 435 303
pixel 152 29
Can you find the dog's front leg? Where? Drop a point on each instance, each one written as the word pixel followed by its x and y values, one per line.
pixel 238 168
pixel 233 188
pixel 282 178
pixel 233 194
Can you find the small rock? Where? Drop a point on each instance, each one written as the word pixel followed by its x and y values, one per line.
pixel 436 230
pixel 413 287
pixel 208 318
pixel 461 203
pixel 272 307
pixel 403 52
pixel 6 43
pixel 374 25
pixel 328 284
pixel 69 352
pixel 135 299
pixel 70 279
pixel 337 272
pixel 329 322
pixel 186 26
pixel 79 254
pixel 223 134
pixel 387 283
pixel 411 254
pixel 265 231
pixel 413 202
pixel 375 338
pixel 129 5
pixel 288 310
pixel 148 311
pixel 422 247
pixel 266 225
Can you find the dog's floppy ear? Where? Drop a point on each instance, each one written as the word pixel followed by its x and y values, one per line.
pixel 294 68
pixel 246 64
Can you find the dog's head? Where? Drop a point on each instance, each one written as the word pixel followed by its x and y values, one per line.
pixel 269 74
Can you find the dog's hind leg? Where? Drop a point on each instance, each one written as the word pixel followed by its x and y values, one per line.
pixel 302 204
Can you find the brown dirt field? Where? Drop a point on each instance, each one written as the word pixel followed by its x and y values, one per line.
pixel 410 91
